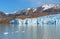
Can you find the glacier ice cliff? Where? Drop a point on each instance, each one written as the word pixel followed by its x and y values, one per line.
pixel 48 19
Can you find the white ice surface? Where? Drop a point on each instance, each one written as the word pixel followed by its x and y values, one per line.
pixel 49 19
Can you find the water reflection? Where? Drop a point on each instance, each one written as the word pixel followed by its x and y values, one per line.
pixel 35 31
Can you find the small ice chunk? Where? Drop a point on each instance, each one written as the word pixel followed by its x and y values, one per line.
pixel 5 33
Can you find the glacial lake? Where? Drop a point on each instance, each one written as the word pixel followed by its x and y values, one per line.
pixel 24 31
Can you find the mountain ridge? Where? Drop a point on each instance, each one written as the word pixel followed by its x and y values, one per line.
pixel 47 9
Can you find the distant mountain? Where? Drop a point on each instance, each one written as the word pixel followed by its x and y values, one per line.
pixel 30 11
pixel 52 8
pixel 25 11
pixel 6 18
pixel 43 10
pixel 2 14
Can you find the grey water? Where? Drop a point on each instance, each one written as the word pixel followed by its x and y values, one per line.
pixel 24 31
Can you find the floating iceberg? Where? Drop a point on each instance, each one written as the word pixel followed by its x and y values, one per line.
pixel 49 19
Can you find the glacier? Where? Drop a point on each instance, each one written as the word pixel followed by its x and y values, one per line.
pixel 48 19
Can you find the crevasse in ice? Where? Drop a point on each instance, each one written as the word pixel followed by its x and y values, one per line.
pixel 49 19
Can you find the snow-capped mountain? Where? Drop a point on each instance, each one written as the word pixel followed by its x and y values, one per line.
pixel 25 11
pixel 39 10
pixel 50 6
pixel 47 6
pixel 47 9
pixel 43 8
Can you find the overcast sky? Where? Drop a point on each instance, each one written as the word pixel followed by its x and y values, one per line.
pixel 13 5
